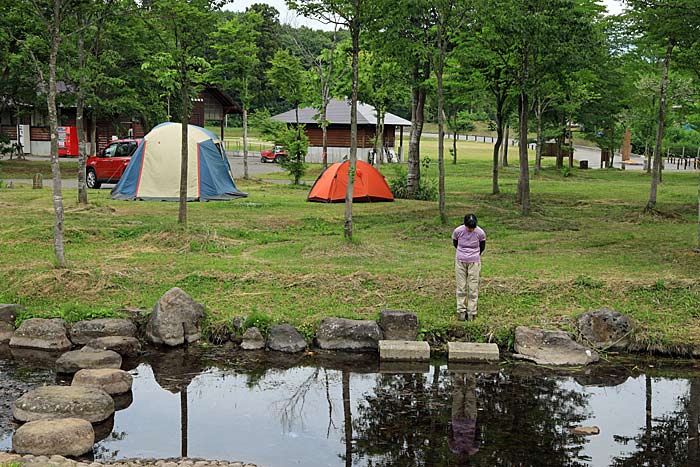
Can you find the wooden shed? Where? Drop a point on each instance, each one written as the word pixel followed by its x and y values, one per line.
pixel 338 116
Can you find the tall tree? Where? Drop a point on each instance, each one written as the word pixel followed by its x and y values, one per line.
pixel 41 39
pixel 448 16
pixel 350 14
pixel 186 24
pixel 236 59
pixel 291 82
pixel 668 24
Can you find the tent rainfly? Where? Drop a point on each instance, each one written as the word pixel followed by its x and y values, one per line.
pixel 153 174
pixel 369 186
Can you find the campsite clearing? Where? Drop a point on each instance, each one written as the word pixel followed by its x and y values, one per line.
pixel 276 258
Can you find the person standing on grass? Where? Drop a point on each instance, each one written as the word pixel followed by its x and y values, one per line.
pixel 469 241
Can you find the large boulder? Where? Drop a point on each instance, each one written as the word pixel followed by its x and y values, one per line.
pixel 348 334
pixel 129 347
pixel 110 380
pixel 42 334
pixel 605 328
pixel 87 358
pixel 285 338
pixel 398 325
pixel 175 319
pixel 83 332
pixel 49 402
pixel 65 437
pixel 252 339
pixel 551 348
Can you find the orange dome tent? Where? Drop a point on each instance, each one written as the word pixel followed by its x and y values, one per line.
pixel 369 185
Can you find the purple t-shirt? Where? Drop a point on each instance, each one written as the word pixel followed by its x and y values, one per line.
pixel 468 244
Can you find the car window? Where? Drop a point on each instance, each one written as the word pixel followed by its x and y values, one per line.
pixel 124 149
pixel 110 150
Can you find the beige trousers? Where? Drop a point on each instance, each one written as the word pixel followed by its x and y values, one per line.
pixel 467 275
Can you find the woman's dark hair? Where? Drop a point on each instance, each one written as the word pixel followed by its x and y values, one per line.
pixel 470 221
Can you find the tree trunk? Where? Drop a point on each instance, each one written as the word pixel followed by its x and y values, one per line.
pixel 377 141
pixel 183 421
pixel 454 147
pixel 538 153
pixel 324 129
pixel 656 173
pixel 499 143
pixel 80 121
pixel 55 26
pixel 93 133
pixel 355 31
pixel 347 417
pixel 184 97
pixel 245 141
pixel 504 161
pixel 698 248
pixel 560 143
pixel 417 116
pixel 441 120
pixel 523 197
pixel 648 396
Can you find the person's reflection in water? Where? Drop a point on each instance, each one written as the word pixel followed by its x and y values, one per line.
pixel 463 439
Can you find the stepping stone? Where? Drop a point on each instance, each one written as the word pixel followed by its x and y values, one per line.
pixel 84 331
pixel 404 351
pixel 50 402
pixel 42 334
pixel 64 437
pixel 88 358
pixel 472 352
pixel 125 346
pixel 111 380
pixel 399 325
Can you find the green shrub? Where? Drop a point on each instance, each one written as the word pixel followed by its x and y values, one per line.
pixel 427 189
pixel 258 320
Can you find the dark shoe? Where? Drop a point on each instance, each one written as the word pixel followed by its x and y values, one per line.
pixel 461 316
pixel 471 316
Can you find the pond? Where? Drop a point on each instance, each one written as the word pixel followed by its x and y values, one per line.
pixel 347 410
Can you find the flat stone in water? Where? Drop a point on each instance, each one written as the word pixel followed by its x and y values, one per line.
pixel 472 352
pixel 84 331
pixel 42 334
pixel 391 350
pixel 64 437
pixel 111 380
pixel 125 346
pixel 49 402
pixel 87 358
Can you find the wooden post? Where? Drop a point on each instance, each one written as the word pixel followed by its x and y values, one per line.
pixel 37 182
pixel 401 143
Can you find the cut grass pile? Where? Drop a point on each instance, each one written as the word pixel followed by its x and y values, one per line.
pixel 277 258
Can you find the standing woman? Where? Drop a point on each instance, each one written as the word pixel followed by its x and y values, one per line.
pixel 470 242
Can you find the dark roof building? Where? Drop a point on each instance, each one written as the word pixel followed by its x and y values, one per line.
pixel 338 130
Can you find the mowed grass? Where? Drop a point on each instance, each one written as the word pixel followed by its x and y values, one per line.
pixel 277 258
pixel 27 169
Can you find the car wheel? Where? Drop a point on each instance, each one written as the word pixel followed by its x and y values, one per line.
pixel 91 180
pixel 278 159
pixel 263 160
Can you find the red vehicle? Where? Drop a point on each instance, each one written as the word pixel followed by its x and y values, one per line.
pixel 108 166
pixel 276 154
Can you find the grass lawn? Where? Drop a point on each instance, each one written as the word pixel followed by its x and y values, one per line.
pixel 26 169
pixel 276 258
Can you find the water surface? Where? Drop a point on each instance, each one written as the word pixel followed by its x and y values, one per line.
pixel 326 410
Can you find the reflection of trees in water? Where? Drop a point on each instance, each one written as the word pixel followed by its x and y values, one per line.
pixel 522 421
pixel 667 441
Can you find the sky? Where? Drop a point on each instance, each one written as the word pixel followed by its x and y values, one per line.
pixel 290 17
